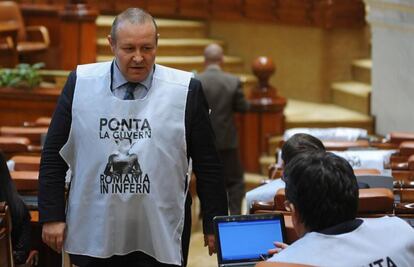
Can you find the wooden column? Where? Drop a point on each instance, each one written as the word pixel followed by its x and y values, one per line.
pixel 77 34
pixel 265 118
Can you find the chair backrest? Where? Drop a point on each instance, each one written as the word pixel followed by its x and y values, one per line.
pixel 398 137
pixel 411 162
pixel 10 11
pixel 344 145
pixel 6 251
pixel 367 172
pixel 407 148
pixel 279 200
pixel 373 202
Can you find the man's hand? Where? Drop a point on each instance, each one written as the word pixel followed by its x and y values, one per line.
pixel 278 247
pixel 210 241
pixel 53 234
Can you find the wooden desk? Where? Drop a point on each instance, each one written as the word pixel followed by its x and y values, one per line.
pixel 8 44
pixel 26 163
pixel 32 133
pixel 25 180
pixel 19 105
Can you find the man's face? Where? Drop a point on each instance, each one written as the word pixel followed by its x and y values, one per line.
pixel 134 49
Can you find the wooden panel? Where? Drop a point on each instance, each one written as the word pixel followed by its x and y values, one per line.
pixel 271 124
pixel 88 43
pixel 25 180
pixel 247 125
pixel 163 7
pixel 260 9
pixel 334 13
pixel 18 106
pixel 194 8
pixel 227 9
pixel 122 5
pixel 296 12
pixel 315 13
pixel 106 7
pixel 69 37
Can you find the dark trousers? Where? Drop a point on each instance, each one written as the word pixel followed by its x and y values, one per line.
pixel 233 178
pixel 140 259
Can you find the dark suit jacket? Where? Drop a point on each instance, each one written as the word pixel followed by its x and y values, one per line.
pixel 224 96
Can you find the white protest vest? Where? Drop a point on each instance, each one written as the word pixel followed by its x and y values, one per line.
pixel 129 161
pixel 386 242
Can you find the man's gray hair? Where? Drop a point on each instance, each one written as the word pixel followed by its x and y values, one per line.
pixel 133 16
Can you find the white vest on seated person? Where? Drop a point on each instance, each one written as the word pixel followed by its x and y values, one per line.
pixel 367 159
pixel 386 240
pixel 126 198
pixel 329 134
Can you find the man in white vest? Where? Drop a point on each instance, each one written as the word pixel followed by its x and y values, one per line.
pixel 127 129
pixel 322 194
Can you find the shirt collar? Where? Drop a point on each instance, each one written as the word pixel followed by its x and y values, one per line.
pixel 213 67
pixel 342 228
pixel 119 79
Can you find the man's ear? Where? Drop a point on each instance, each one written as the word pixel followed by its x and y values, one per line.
pixel 297 223
pixel 111 43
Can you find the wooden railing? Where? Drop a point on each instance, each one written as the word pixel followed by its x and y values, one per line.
pixel 315 13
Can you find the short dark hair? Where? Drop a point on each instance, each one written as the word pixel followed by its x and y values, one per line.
pixel 323 188
pixel 300 143
pixel 135 16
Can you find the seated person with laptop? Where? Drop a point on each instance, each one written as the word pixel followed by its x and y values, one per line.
pixel 322 194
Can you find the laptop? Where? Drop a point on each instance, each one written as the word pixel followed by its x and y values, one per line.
pixel 243 240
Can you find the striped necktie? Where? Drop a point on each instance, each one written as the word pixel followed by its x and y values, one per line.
pixel 130 88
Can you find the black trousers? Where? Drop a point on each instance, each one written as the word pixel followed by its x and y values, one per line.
pixel 140 259
pixel 233 178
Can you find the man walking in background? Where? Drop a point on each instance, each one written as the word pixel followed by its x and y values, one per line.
pixel 225 96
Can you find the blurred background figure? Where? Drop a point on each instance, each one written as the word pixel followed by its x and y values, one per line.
pixel 225 96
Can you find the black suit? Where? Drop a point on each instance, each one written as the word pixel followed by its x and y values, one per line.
pixel 225 96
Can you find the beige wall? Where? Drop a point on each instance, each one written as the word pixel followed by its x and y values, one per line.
pixel 392 23
pixel 307 58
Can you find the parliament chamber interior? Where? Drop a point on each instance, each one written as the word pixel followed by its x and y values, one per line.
pixel 338 70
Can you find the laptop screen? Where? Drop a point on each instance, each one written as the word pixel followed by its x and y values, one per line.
pixel 247 238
